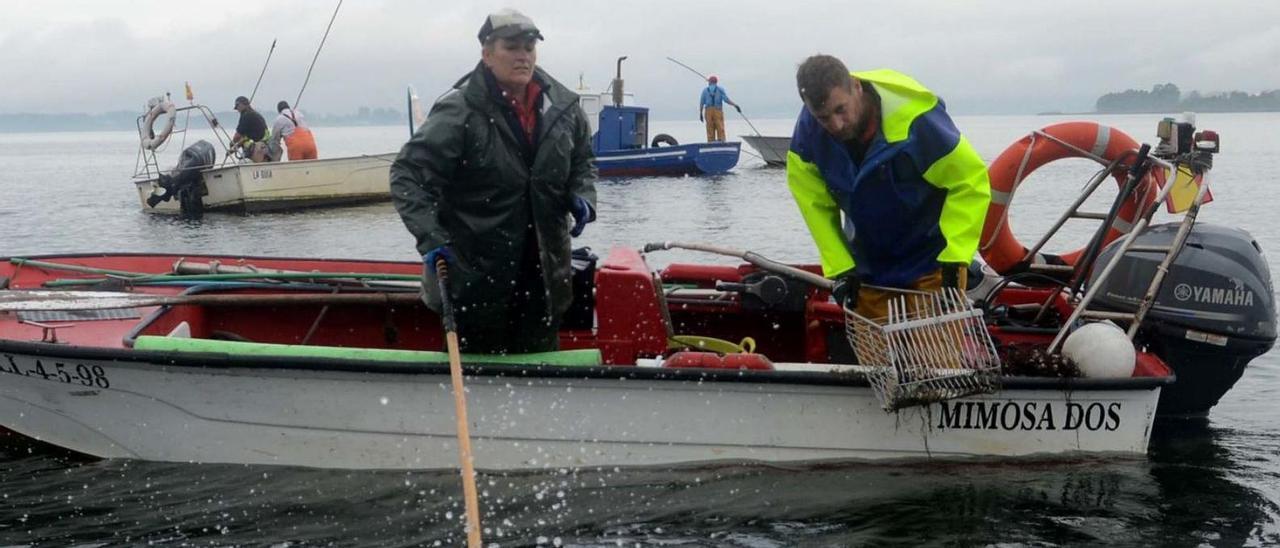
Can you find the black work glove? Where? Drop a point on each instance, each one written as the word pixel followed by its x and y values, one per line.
pixel 845 290
pixel 738 108
pixel 951 275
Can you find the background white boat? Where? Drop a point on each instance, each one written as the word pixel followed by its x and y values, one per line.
pixel 772 149
pixel 284 185
pixel 238 185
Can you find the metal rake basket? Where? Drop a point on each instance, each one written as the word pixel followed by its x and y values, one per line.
pixel 931 347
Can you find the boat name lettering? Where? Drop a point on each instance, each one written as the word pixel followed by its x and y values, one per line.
pixel 69 373
pixel 262 174
pixel 1011 415
pixel 1213 295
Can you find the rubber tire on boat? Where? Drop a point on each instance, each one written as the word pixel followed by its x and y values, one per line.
pixel 664 139
pixel 150 139
pixel 999 247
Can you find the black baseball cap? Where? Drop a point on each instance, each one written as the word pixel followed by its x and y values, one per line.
pixel 508 23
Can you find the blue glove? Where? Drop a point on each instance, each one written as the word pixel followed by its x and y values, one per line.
pixel 442 252
pixel 582 214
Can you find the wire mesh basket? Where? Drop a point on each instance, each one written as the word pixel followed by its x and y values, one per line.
pixel 931 347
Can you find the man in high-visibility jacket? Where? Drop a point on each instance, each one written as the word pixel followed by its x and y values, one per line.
pixel 880 148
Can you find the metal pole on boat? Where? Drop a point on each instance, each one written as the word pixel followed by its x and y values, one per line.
pixel 691 69
pixel 260 74
pixel 744 116
pixel 764 263
pixel 317 56
pixel 460 407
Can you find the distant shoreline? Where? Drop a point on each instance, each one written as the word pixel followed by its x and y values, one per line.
pixel 124 120
pixel 1165 98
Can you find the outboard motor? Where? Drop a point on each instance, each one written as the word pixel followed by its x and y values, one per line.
pixel 184 181
pixel 1215 310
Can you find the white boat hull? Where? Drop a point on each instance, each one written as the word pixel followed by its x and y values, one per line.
pixel 773 150
pixel 283 185
pixel 402 419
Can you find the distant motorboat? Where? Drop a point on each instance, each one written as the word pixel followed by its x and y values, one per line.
pixel 620 139
pixel 199 183
pixel 250 187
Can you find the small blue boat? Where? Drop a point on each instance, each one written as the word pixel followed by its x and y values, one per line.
pixel 623 149
pixel 695 159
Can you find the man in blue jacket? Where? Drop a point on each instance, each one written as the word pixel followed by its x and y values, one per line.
pixel 880 149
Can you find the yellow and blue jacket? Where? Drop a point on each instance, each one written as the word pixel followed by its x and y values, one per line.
pixel 917 200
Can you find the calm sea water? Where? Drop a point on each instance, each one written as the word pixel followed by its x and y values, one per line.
pixel 1215 482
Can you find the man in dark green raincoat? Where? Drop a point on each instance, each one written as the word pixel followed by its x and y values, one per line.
pixel 496 182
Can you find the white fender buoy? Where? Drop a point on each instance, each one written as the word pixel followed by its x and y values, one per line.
pixel 1101 350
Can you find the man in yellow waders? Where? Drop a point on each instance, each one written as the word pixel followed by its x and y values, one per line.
pixel 711 109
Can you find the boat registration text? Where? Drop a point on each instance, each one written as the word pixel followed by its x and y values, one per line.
pixel 69 373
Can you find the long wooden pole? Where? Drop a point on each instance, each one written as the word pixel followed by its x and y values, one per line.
pixel 317 56
pixel 459 408
pixel 261 74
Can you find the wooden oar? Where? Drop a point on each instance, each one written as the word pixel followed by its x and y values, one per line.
pixel 459 407
pixel 36 299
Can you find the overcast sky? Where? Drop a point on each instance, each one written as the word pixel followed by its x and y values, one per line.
pixel 1012 56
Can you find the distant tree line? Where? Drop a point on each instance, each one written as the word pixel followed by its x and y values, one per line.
pixel 364 116
pixel 1168 98
pixel 126 120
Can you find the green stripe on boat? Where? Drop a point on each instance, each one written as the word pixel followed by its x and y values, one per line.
pixel 585 357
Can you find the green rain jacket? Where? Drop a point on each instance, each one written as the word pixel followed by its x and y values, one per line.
pixel 462 180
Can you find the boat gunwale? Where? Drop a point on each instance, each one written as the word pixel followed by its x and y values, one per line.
pixel 103 254
pixel 386 157
pixel 619 372
pixel 213 360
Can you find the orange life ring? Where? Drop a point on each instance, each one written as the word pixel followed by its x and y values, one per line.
pixel 1105 144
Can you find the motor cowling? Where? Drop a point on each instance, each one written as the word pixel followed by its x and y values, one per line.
pixel 1215 310
pixel 184 180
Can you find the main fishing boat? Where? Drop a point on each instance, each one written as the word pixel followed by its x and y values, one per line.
pixel 333 363
pixel 200 183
